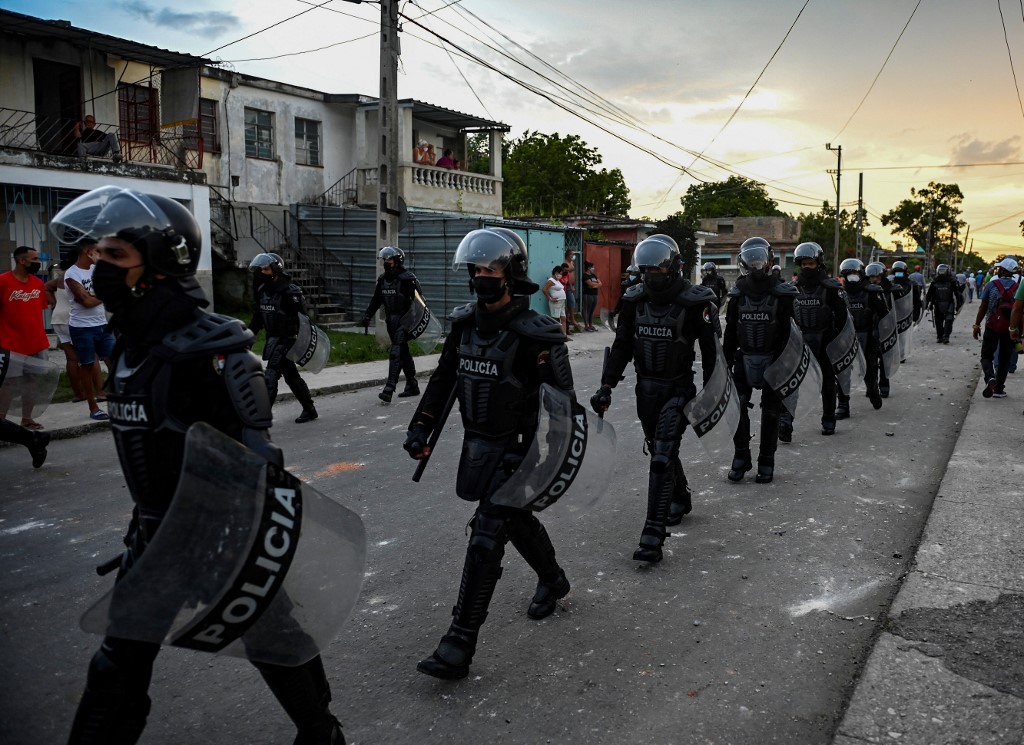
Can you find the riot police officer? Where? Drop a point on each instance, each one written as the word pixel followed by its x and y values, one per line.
pixel 757 327
pixel 711 279
pixel 495 359
pixel 820 310
pixel 901 277
pixel 875 275
pixel 395 290
pixel 36 442
pixel 174 365
pixel 279 302
pixel 661 320
pixel 867 306
pixel 944 299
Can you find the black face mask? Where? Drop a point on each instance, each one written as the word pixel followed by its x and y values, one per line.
pixel 489 289
pixel 808 275
pixel 108 282
pixel 658 282
pixel 34 267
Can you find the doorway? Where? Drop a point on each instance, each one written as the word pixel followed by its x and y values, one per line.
pixel 58 94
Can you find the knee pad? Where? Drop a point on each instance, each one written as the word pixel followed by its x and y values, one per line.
pixel 488 538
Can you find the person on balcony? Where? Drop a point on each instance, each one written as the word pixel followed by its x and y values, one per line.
pixel 91 141
pixel 446 161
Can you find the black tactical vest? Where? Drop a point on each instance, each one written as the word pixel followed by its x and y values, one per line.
pixel 758 323
pixel 860 309
pixel 943 294
pixel 276 320
pixel 811 311
pixel 493 401
pixel 395 303
pixel 654 352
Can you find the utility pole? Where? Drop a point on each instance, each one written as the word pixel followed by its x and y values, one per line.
pixel 860 218
pixel 387 135
pixel 838 149
pixel 928 253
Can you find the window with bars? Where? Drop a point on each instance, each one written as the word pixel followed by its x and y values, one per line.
pixel 209 127
pixel 259 134
pixel 139 113
pixel 307 142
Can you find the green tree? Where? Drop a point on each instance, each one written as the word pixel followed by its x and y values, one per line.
pixel 820 227
pixel 478 153
pixel 734 197
pixel 553 175
pixel 939 203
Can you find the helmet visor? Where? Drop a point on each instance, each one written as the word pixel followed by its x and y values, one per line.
pixel 109 211
pixel 262 260
pixel 754 258
pixel 487 248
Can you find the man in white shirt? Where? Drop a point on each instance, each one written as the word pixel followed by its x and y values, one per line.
pixel 87 326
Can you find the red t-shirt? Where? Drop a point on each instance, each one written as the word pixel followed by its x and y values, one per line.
pixel 21 314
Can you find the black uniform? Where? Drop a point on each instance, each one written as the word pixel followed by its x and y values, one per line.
pixel 944 297
pixel 36 442
pixel 658 332
pixel 278 304
pixel 867 305
pixel 715 283
pixel 757 327
pixel 175 365
pixel 395 291
pixel 891 292
pixel 496 362
pixel 916 293
pixel 820 311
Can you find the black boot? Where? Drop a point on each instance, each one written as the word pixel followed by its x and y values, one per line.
pixel 875 397
pixel 308 414
pixel 786 431
pixel 659 494
pixel 38 448
pixel 765 469
pixel 115 704
pixel 385 395
pixel 843 409
pixel 682 498
pixel 740 465
pixel 412 388
pixel 828 426
pixel 451 659
pixel 304 694
pixel 531 540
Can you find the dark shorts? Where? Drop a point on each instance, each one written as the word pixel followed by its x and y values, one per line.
pixel 91 342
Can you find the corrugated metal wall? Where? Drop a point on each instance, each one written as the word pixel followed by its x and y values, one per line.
pixel 429 241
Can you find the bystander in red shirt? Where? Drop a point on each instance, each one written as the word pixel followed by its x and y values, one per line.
pixel 21 314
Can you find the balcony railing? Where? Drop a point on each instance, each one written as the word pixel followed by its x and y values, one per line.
pixel 177 147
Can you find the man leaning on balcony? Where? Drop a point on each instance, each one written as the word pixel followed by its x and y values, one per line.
pixel 93 142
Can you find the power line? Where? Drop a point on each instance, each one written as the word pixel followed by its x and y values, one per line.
pixel 273 25
pixel 879 74
pixel 945 165
pixel 1004 219
pixel 1009 54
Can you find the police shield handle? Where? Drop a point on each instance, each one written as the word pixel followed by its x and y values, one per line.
pixel 434 436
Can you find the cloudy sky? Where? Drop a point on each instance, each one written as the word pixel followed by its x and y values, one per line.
pixel 913 90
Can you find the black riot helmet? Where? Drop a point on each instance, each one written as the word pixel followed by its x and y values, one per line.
pixel 657 251
pixel 392 252
pixel 709 269
pixel 497 248
pixel 874 269
pixel 899 266
pixel 755 256
pixel 942 270
pixel 809 250
pixel 851 268
pixel 163 231
pixel 275 262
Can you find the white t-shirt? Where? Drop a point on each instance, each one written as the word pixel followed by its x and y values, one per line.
pixel 82 317
pixel 971 281
pixel 556 290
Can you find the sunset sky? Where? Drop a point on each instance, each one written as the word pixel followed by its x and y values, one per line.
pixel 934 99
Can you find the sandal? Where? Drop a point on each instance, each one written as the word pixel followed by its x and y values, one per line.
pixel 31 425
pixel 99 416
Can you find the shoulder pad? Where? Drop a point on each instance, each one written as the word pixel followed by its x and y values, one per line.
pixel 533 325
pixel 873 288
pixel 734 291
pixel 462 312
pixel 407 275
pixel 209 333
pixel 785 289
pixel 697 295
pixel 832 283
pixel 635 292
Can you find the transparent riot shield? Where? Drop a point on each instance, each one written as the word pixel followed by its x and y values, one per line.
pixel 714 413
pixel 312 347
pixel 795 376
pixel 27 384
pixel 846 357
pixel 571 454
pixel 905 323
pixel 248 561
pixel 889 343
pixel 421 326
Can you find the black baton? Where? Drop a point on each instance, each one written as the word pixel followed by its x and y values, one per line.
pixel 435 436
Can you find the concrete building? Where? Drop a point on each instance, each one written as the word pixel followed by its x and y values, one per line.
pixel 724 235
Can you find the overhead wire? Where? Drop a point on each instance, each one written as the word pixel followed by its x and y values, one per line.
pixel 1009 54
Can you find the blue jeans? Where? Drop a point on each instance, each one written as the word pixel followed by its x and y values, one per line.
pixel 91 342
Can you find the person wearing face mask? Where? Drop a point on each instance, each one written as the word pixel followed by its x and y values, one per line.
pixel 395 290
pixel 494 361
pixel 278 303
pixel 820 311
pixel 867 306
pixel 714 281
pixel 757 328
pixel 903 279
pixel 87 326
pixel 175 366
pixel 944 299
pixel 662 319
pixel 22 303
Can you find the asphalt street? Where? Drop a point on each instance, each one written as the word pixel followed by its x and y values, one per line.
pixel 752 630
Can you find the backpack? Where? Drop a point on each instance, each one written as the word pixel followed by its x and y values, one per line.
pixel 999 318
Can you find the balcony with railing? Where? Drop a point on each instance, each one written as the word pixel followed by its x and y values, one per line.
pixel 437 189
pixel 177 147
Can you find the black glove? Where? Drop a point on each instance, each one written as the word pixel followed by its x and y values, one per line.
pixel 365 322
pixel 416 440
pixel 601 400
